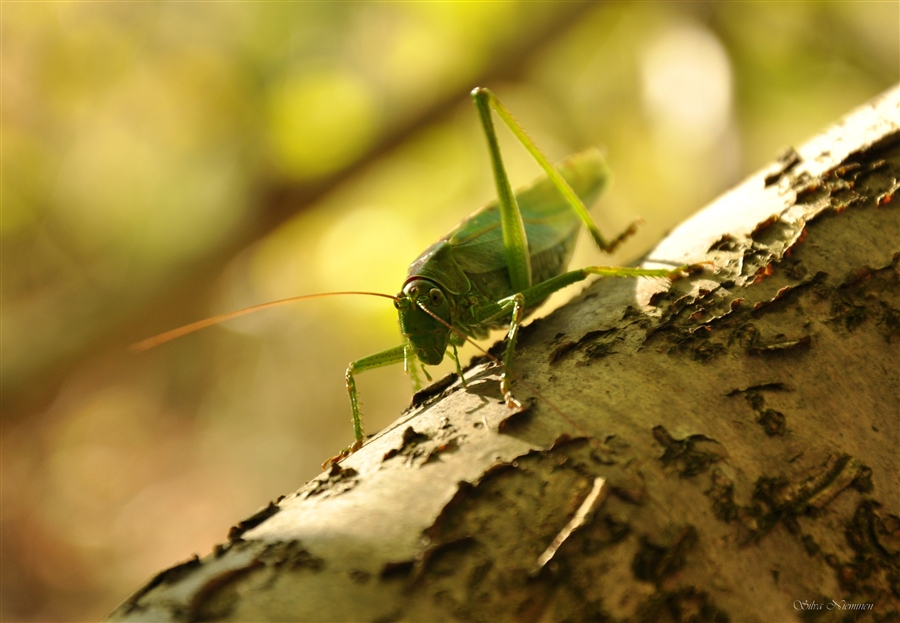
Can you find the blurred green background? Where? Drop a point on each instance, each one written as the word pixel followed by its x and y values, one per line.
pixel 163 162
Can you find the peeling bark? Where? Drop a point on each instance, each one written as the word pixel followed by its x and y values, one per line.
pixel 723 448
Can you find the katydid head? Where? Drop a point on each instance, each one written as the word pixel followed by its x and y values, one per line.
pixel 423 304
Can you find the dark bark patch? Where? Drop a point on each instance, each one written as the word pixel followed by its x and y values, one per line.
pixel 433 391
pixel 560 351
pixel 409 445
pixel 448 447
pixel 598 344
pixel 173 575
pixel 657 298
pixel 776 499
pixel 773 422
pixel 873 574
pixel 592 336
pixel 594 344
pixel 338 480
pixel 868 294
pixel 566 439
pixel 217 598
pixel 463 491
pixel 397 570
pixel 810 546
pixel 235 533
pixel 598 351
pixel 629 487
pixel 721 495
pixel 695 342
pixel 747 335
pixel 758 232
pixel 686 605
pixel 774 386
pixel 515 421
pixel 468 564
pixel 726 243
pixel 706 350
pixel 786 161
pixel 793 268
pixel 689 456
pixel 442 559
pixel 290 555
pixel 653 562
pixel 789 295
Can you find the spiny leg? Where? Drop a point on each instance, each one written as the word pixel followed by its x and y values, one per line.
pixel 459 371
pixel 514 306
pixel 484 100
pixel 384 358
pixel 409 366
pixel 515 241
pixel 627 271
pixel 518 310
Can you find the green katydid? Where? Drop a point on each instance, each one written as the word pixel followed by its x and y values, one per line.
pixel 491 270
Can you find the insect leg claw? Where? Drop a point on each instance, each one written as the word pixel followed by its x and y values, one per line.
pixel 511 402
pixel 343 454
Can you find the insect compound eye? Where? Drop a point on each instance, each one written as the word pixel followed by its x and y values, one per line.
pixel 436 297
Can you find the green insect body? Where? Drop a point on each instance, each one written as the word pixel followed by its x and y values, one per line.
pixel 498 264
pixel 466 271
pixel 489 271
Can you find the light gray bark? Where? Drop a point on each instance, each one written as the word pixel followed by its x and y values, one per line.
pixel 723 448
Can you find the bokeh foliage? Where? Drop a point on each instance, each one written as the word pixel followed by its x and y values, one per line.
pixel 162 162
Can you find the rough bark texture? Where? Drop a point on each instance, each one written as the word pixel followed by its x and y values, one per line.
pixel 728 443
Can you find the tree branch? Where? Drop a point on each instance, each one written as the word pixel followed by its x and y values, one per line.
pixel 741 424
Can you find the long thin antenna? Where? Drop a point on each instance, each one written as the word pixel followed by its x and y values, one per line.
pixel 162 338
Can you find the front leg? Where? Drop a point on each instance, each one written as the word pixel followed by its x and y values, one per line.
pixel 394 355
pixel 518 310
pixel 515 307
pixel 410 363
